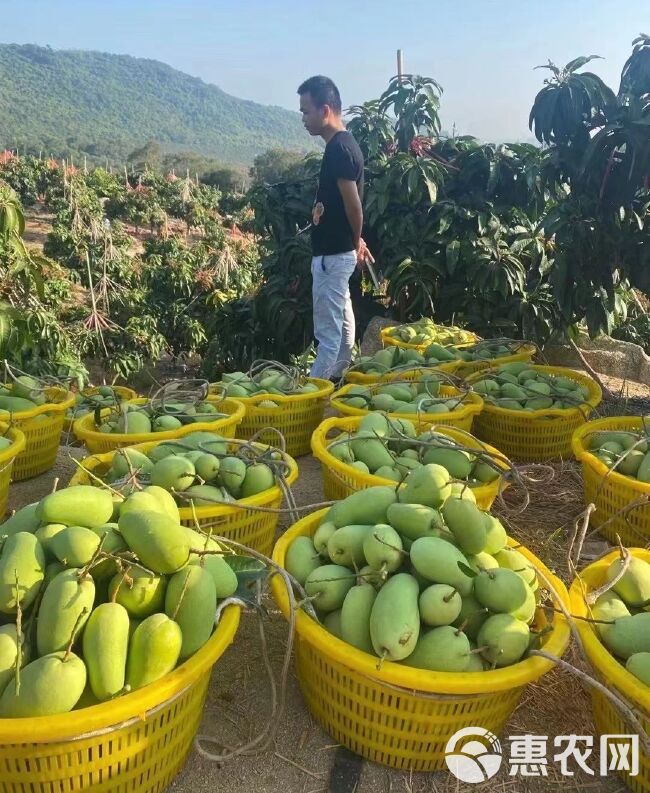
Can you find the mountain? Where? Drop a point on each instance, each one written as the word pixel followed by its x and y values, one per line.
pixel 100 105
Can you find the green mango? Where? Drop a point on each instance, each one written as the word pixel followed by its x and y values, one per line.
pixel 512 559
pixel 441 649
pixel 140 593
pixel 526 612
pixel 345 546
pixel 484 472
pixel 496 538
pixel 74 546
pixel 204 496
pixel 44 534
pixel 158 541
pixel 328 585
pixel 634 586
pixel 207 466
pixel 607 608
pixel 428 485
pixel 414 520
pixel 342 451
pixel 355 616
pixel 259 477
pixel 466 522
pixel 321 537
pixel 164 499
pixel 374 425
pixel 49 685
pixel 500 590
pixel 383 548
pixel 126 460
pixel 141 502
pixel 456 461
pixel 105 646
pixel 371 450
pixel 22 570
pixel 173 473
pixel 232 472
pixel 154 649
pixel 24 519
pixel 77 505
pixel 301 559
pixel 332 623
pixel 439 604
pixel 504 639
pixel 639 665
pixel 67 601
pixel 438 561
pixel 134 422
pixel 191 601
pixel 395 619
pixel 628 635
pixel 367 506
pixel 224 577
pixel 8 654
pixel 471 617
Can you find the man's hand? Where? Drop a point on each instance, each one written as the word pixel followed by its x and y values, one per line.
pixel 363 254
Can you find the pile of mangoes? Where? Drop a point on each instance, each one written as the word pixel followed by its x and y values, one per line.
pixel 398 359
pixel 101 595
pixel 489 350
pixel 426 331
pixel 134 419
pixel 391 448
pixel 622 619
pixel 269 380
pixel 22 394
pixel 519 386
pixel 418 396
pixel 628 453
pixel 419 575
pixel 197 468
pixel 88 401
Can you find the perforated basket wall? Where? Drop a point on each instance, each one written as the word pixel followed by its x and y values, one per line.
pixel 249 527
pixel 540 434
pixel 611 673
pixel 97 442
pixel 296 416
pixel 341 479
pixel 136 743
pixel 611 492
pixel 7 458
pixel 42 428
pixel 400 716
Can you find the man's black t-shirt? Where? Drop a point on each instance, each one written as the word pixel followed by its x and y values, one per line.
pixel 331 231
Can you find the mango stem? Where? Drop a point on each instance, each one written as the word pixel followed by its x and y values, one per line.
pixel 73 636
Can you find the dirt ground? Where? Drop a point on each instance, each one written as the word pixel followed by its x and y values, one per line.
pixel 303 756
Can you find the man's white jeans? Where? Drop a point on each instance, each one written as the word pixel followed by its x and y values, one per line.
pixel 333 315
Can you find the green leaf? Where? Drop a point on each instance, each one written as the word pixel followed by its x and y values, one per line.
pixel 452 253
pixel 467 570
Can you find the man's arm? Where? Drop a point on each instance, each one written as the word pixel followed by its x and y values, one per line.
pixel 353 208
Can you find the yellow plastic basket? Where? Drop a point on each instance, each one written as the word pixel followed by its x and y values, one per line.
pixel 97 442
pixel 341 479
pixel 246 526
pixel 359 378
pixel 7 457
pixel 122 392
pixel 539 434
pixel 525 352
pixel 612 674
pixel 389 341
pixel 42 427
pixel 462 418
pixel 616 491
pixel 400 716
pixel 296 416
pixel 136 743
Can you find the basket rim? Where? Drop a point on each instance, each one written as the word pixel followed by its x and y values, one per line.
pixel 82 426
pixel 325 388
pixel 206 510
pixel 593 400
pixel 109 715
pixel 321 453
pixel 409 677
pixel 386 338
pixel 361 378
pixel 583 455
pixel 66 397
pixel 472 406
pixel 18 442
pixel 598 654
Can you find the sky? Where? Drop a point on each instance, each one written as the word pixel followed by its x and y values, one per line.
pixel 483 52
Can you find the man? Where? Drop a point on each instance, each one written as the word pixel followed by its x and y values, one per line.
pixel 337 219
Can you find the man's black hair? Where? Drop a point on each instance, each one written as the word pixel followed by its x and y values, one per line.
pixel 323 91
